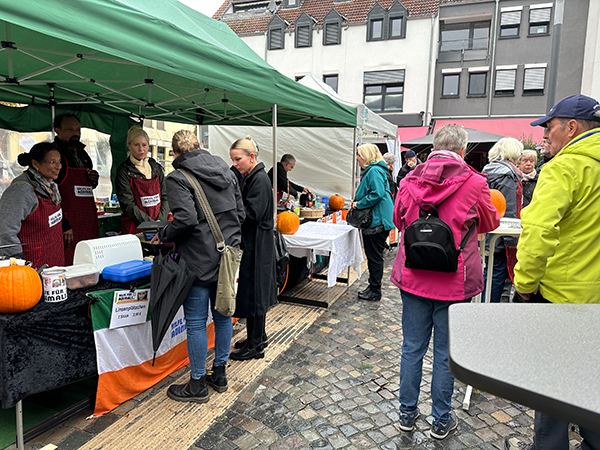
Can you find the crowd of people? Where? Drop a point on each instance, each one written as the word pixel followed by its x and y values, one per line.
pixel 49 208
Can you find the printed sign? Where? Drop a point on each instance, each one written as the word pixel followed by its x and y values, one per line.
pixel 151 200
pixel 129 308
pixel 83 191
pixel 55 219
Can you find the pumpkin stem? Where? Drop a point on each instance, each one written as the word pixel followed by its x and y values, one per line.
pixel 13 261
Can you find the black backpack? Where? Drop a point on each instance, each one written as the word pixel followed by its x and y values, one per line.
pixel 429 243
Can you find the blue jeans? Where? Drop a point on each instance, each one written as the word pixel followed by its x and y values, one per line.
pixel 499 275
pixel 195 308
pixel 553 434
pixel 419 316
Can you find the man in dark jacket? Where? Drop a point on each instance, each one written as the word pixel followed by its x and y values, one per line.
pixel 410 162
pixel 76 181
pixel 286 164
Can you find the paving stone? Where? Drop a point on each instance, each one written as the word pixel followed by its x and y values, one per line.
pixel 75 440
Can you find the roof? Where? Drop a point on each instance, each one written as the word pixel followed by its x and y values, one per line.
pixel 354 11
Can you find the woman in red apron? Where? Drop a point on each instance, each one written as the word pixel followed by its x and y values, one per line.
pixel 31 217
pixel 140 185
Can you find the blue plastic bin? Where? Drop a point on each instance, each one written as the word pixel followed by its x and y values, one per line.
pixel 127 271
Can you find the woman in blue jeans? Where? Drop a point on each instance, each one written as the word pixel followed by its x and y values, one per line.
pixel 463 202
pixel 197 246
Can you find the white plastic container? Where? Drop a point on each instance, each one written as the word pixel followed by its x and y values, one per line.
pixel 82 276
pixel 108 251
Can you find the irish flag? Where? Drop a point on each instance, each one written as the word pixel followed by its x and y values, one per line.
pixel 124 355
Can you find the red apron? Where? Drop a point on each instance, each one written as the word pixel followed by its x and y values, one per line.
pixel 42 233
pixel 79 207
pixel 146 194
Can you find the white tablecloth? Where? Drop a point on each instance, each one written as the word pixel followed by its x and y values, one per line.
pixel 340 242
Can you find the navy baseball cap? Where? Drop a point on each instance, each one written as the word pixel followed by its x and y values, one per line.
pixel 410 154
pixel 572 107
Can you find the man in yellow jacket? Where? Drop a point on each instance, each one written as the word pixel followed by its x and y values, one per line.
pixel 558 250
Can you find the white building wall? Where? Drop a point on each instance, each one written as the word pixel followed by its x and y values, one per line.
pixel 355 56
pixel 590 80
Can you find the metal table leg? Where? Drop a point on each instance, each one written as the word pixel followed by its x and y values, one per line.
pixel 19 411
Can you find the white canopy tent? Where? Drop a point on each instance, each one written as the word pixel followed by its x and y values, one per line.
pixel 325 157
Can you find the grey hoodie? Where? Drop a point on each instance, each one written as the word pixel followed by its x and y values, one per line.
pixel 189 230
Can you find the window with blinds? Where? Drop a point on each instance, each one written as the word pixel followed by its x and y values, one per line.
pixel 510 24
pixel 303 36
pixel 539 21
pixel 533 81
pixel 384 90
pixel 332 33
pixel 275 38
pixel 505 82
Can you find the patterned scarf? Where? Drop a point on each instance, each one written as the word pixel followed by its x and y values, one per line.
pixel 47 185
pixel 529 176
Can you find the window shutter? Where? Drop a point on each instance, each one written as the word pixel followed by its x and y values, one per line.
pixel 383 77
pixel 534 79
pixel 332 33
pixel 511 18
pixel 276 39
pixel 303 38
pixel 505 80
pixel 540 15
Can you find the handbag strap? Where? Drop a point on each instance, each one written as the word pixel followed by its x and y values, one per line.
pixel 210 217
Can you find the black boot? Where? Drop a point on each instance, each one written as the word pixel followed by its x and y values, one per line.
pixel 192 391
pixel 244 342
pixel 364 291
pixel 217 379
pixel 248 353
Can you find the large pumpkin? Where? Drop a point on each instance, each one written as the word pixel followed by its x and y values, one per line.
pixel 336 202
pixel 20 288
pixel 288 222
pixel 498 202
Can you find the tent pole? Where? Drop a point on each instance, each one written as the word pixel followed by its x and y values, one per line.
pixel 353 163
pixel 275 163
pixel 52 108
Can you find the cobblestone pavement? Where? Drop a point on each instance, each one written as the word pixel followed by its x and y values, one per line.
pixel 336 387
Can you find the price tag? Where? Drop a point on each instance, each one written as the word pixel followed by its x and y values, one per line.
pixel 129 308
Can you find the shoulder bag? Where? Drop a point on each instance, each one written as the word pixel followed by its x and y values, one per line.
pixel 230 256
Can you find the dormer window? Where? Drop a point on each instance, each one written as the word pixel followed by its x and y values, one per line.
pixel 250 6
pixel 303 26
pixel 276 36
pixel 332 25
pixel 385 24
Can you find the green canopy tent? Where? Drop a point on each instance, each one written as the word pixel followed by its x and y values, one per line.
pixel 153 59
pixel 115 61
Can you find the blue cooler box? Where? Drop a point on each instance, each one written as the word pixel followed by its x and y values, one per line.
pixel 127 271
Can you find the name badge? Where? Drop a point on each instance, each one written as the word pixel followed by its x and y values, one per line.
pixel 55 218
pixel 151 200
pixel 83 191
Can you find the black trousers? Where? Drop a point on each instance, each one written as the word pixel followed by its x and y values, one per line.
pixel 374 246
pixel 256 329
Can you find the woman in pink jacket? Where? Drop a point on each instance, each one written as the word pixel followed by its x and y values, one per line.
pixel 427 294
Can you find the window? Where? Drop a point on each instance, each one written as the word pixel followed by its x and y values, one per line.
pixel 331 81
pixel 477 84
pixel 510 23
pixel 299 77
pixel 250 6
pixel 396 27
pixel 160 125
pixel 303 36
pixel 465 36
pixel 384 91
pixel 376 29
pixel 539 19
pixel 450 85
pixel 505 81
pixel 147 123
pixel 332 27
pixel 276 36
pixel 291 3
pixel 533 80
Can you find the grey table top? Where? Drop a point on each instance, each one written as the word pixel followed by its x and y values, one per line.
pixel 545 356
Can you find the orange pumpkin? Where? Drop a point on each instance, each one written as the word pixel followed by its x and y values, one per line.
pixel 288 222
pixel 20 288
pixel 498 202
pixel 336 202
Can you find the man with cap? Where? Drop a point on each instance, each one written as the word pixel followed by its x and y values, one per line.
pixel 558 249
pixel 410 162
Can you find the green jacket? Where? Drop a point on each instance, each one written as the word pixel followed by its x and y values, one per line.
pixel 374 192
pixel 559 247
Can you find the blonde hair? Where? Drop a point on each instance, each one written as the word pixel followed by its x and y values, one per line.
pixel 246 144
pixel 506 149
pixel 136 131
pixel 184 141
pixel 370 153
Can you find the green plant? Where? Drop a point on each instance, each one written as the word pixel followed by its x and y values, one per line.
pixel 335 313
pixel 528 142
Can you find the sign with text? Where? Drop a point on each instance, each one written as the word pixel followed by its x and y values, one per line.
pixel 129 308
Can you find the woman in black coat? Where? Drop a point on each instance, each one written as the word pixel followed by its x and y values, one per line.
pixel 257 290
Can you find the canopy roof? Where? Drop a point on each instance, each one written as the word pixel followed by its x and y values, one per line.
pixel 155 59
pixel 366 119
pixel 478 141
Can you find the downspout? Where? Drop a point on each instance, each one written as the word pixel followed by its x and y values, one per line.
pixel 493 61
pixel 429 81
pixel 556 35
